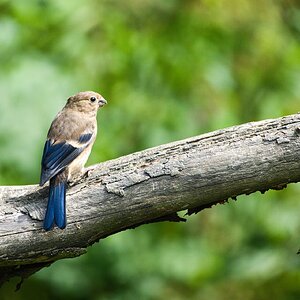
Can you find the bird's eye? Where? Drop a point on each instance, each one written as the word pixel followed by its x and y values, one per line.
pixel 93 99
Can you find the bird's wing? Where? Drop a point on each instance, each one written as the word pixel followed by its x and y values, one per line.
pixel 58 155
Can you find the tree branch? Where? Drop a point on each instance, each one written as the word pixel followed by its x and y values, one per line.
pixel 148 186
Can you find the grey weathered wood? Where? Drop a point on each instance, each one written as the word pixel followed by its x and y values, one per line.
pixel 147 186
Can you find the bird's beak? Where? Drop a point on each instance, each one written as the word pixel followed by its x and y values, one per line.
pixel 102 102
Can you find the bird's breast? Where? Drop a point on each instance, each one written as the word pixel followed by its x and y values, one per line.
pixel 76 167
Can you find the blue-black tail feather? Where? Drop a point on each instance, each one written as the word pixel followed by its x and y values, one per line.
pixel 56 208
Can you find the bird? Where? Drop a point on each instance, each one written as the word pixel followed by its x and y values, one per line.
pixel 67 148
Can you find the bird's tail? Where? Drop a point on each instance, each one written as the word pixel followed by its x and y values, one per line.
pixel 56 208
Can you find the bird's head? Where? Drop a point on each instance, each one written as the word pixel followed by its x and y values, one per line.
pixel 87 102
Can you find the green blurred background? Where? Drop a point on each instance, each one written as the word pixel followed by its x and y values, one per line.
pixel 170 70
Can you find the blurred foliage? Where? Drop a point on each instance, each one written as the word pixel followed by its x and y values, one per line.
pixel 169 69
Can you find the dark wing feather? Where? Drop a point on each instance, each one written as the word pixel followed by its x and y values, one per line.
pixel 58 156
pixel 84 138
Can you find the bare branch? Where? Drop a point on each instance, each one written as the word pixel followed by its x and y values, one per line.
pixel 148 186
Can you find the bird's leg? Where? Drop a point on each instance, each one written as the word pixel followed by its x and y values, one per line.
pixel 82 174
pixel 75 177
pixel 87 171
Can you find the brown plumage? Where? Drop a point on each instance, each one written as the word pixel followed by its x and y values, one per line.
pixel 68 146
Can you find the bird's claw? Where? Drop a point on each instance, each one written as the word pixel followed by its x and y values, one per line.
pixel 87 172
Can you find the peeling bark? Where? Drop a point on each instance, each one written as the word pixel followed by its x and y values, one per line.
pixel 148 186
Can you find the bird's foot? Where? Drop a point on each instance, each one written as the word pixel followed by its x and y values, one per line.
pixel 75 178
pixel 73 181
pixel 87 171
